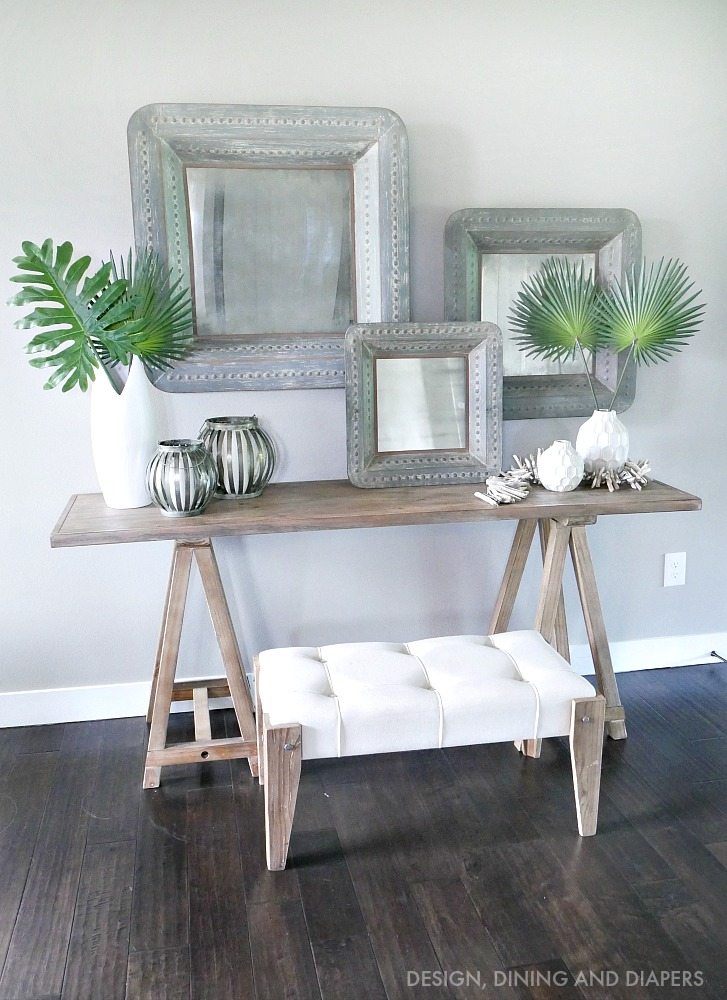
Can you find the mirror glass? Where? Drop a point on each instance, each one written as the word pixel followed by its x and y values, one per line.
pixel 502 275
pixel 421 403
pixel 271 249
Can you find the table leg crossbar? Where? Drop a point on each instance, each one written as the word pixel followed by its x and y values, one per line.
pixel 165 689
pixel 557 538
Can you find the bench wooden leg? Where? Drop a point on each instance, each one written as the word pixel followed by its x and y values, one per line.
pixel 259 735
pixel 530 748
pixel 588 717
pixel 282 753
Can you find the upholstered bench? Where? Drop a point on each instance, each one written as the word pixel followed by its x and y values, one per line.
pixel 378 697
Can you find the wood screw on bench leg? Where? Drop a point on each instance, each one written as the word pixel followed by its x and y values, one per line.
pixel 282 754
pixel 586 742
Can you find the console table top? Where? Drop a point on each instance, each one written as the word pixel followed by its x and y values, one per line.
pixel 331 504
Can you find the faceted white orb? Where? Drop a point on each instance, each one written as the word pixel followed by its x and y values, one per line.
pixel 560 467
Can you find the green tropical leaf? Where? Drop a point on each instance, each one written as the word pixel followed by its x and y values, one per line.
pixel 71 320
pixel 161 328
pixel 556 312
pixel 86 321
pixel 652 313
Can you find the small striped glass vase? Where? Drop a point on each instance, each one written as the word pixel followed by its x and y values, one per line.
pixel 181 478
pixel 243 453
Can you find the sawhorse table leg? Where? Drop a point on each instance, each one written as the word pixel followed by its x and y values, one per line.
pixel 165 689
pixel 557 538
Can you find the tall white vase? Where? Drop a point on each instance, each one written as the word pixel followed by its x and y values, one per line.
pixel 603 441
pixel 124 436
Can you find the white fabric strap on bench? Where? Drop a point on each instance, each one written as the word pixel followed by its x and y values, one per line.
pixel 338 707
pixel 432 687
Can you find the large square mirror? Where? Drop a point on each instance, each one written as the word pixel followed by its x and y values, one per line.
pixel 423 403
pixel 490 252
pixel 288 224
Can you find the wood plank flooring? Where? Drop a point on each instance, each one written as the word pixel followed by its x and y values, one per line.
pixel 424 875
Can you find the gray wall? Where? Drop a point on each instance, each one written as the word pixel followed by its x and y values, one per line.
pixel 526 103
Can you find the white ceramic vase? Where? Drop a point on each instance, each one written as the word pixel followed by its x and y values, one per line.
pixel 124 436
pixel 603 441
pixel 560 467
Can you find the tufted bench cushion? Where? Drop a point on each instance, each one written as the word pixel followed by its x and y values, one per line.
pixel 377 697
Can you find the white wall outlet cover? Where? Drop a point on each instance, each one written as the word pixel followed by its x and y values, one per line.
pixel 675 569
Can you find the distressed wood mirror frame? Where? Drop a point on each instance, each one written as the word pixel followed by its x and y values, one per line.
pixel 479 348
pixel 167 141
pixel 608 239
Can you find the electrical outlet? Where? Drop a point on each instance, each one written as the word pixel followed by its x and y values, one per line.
pixel 675 569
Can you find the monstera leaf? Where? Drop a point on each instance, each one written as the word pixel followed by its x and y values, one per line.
pixel 79 315
pixel 87 321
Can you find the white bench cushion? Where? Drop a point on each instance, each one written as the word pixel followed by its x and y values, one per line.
pixel 377 697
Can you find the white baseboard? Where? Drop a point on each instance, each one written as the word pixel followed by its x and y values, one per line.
pixel 82 704
pixel 120 701
pixel 655 653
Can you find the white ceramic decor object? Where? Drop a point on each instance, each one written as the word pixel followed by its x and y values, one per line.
pixel 124 436
pixel 603 441
pixel 560 467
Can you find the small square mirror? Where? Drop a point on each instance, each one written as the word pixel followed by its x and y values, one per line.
pixel 423 403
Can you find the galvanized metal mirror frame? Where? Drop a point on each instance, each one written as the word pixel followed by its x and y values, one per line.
pixel 481 345
pixel 166 139
pixel 613 236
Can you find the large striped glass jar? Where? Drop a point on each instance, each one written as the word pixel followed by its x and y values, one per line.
pixel 243 453
pixel 181 477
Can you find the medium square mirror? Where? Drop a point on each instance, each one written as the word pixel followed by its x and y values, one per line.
pixel 423 403
pixel 288 224
pixel 488 253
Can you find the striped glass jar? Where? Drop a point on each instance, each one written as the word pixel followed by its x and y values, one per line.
pixel 181 477
pixel 243 453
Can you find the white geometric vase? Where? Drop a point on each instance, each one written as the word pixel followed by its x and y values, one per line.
pixel 560 467
pixel 124 436
pixel 603 441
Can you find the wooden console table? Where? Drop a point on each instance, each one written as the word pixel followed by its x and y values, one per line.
pixel 323 506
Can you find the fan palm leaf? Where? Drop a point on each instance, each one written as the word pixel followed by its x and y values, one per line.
pixel 160 331
pixel 652 313
pixel 556 312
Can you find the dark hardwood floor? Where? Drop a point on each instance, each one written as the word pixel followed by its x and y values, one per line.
pixel 441 874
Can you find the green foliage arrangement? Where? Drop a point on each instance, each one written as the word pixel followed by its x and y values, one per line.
pixel 99 320
pixel 560 311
